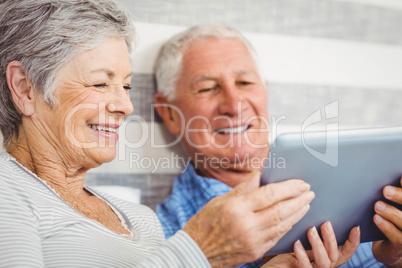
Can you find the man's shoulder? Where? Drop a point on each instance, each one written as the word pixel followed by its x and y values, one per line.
pixel 187 178
pixel 192 191
pixel 184 185
pixel 184 198
pixel 181 191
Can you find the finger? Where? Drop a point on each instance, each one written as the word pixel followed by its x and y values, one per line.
pixel 301 255
pixel 384 252
pixel 393 193
pixel 390 213
pixel 266 259
pixel 319 252
pixel 281 211
pixel 393 234
pixel 330 243
pixel 272 234
pixel 273 193
pixel 348 249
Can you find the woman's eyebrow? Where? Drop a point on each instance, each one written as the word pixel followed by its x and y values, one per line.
pixel 110 73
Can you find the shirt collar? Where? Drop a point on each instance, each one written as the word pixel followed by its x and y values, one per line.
pixel 209 187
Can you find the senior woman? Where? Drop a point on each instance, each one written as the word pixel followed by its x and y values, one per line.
pixel 64 80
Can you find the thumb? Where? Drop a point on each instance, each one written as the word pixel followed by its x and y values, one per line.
pixel 251 184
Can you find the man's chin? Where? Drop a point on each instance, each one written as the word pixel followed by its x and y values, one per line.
pixel 230 175
pixel 247 155
pixel 237 163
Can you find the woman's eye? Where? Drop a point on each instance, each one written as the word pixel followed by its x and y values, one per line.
pixel 104 86
pixel 100 85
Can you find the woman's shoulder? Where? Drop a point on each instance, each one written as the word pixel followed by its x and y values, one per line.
pixel 6 165
pixel 13 195
pixel 18 177
pixel 9 172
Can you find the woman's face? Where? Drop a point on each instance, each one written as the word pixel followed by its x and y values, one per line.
pixel 93 95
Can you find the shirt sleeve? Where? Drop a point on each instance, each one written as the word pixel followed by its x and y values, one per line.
pixel 363 258
pixel 180 251
pixel 20 243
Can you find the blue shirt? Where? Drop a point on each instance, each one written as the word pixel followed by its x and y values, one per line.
pixel 191 192
pixel 363 258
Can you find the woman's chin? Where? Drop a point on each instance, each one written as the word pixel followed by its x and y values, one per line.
pixel 103 155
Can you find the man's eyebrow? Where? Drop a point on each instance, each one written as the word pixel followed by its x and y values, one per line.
pixel 209 78
pixel 244 72
pixel 110 73
pixel 203 78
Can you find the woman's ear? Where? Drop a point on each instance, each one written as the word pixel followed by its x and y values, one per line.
pixel 170 114
pixel 21 88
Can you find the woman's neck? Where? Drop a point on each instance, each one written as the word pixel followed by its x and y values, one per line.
pixel 63 175
pixel 38 156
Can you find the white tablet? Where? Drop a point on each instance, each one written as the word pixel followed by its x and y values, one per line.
pixel 346 169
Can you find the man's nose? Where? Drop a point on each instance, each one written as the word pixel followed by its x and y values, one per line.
pixel 231 100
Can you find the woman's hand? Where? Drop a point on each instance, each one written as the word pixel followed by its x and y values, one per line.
pixel 242 225
pixel 324 254
pixel 389 220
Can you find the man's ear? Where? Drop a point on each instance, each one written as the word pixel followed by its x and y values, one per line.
pixel 21 88
pixel 170 114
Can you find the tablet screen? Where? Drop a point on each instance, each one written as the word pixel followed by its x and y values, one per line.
pixel 346 169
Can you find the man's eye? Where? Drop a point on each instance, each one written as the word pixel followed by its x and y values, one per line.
pixel 204 90
pixel 208 89
pixel 127 87
pixel 244 83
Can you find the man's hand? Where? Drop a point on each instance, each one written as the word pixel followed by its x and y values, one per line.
pixel 389 220
pixel 240 226
pixel 323 254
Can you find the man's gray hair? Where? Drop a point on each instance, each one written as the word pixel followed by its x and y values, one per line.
pixel 44 35
pixel 168 64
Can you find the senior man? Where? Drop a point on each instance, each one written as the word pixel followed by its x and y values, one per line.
pixel 212 94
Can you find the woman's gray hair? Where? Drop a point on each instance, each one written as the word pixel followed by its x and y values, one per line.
pixel 44 35
pixel 168 64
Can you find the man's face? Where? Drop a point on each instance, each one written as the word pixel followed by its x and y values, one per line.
pixel 224 105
